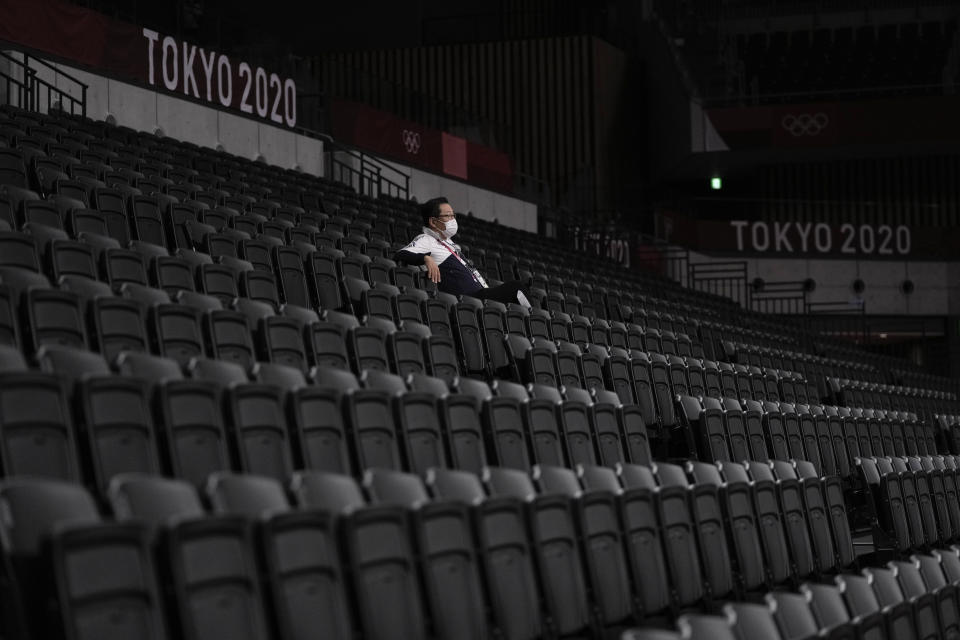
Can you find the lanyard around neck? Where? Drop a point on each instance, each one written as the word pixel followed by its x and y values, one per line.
pixel 473 272
pixel 450 249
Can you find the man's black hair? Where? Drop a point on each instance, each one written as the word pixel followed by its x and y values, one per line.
pixel 431 209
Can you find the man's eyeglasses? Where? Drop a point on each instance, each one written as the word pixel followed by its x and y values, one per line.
pixel 446 216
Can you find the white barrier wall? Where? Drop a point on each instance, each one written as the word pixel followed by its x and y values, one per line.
pixel 483 203
pixel 953 288
pixel 936 292
pixel 146 110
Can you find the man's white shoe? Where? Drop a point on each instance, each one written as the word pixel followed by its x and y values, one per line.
pixel 522 299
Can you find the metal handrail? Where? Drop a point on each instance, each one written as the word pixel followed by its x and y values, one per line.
pixel 727 279
pixel 783 286
pixel 30 87
pixel 763 98
pixel 370 172
pixel 837 307
pixel 27 57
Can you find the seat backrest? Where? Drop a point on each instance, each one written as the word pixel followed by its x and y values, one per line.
pixel 556 480
pixel 508 559
pixel 512 483
pixel 462 423
pixel 505 432
pixel 36 429
pixel 246 494
pixel 55 317
pixel 751 621
pixel 418 415
pixel 299 545
pixel 332 492
pixel 395 488
pixel 793 615
pixel 456 485
pixel 704 627
pixel 259 430
pixel 178 332
pixel 193 427
pixel 34 506
pixel 281 376
pixel 379 551
pixel 453 585
pixel 374 429
pixel 214 558
pixel 317 417
pixel 119 428
pixel 152 499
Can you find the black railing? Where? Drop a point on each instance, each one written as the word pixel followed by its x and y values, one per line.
pixel 728 279
pixel 367 174
pixel 840 319
pixel 668 260
pixel 857 307
pixel 36 94
pixel 601 242
pixel 767 9
pixel 783 297
pixel 819 95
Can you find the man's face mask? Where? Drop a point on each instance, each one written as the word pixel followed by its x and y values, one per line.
pixel 450 228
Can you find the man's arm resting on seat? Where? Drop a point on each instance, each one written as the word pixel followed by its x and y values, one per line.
pixel 409 257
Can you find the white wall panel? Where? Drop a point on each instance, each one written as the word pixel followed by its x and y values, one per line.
pixel 423 185
pixel 780 270
pixel 881 273
pixel 953 290
pixel 884 299
pixel 837 274
pixel 279 148
pixel 145 110
pixel 514 213
pixel 138 106
pixel 937 283
pixel 927 299
pixel 483 203
pixel 933 274
pixel 239 136
pixel 183 120
pixel 98 90
pixel 309 155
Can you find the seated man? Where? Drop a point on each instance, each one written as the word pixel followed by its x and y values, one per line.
pixel 446 265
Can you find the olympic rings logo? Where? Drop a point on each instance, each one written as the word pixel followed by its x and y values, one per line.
pixel 411 141
pixel 805 124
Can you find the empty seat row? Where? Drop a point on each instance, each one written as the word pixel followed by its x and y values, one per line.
pixel 176 282
pixel 855 393
pixel 914 598
pixel 86 315
pixel 97 256
pixel 62 184
pixel 505 553
pixel 911 502
pixel 184 332
pixel 658 325
pixel 129 145
pixel 531 359
pixel 948 426
pixel 93 424
pixel 829 437
pixel 327 286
